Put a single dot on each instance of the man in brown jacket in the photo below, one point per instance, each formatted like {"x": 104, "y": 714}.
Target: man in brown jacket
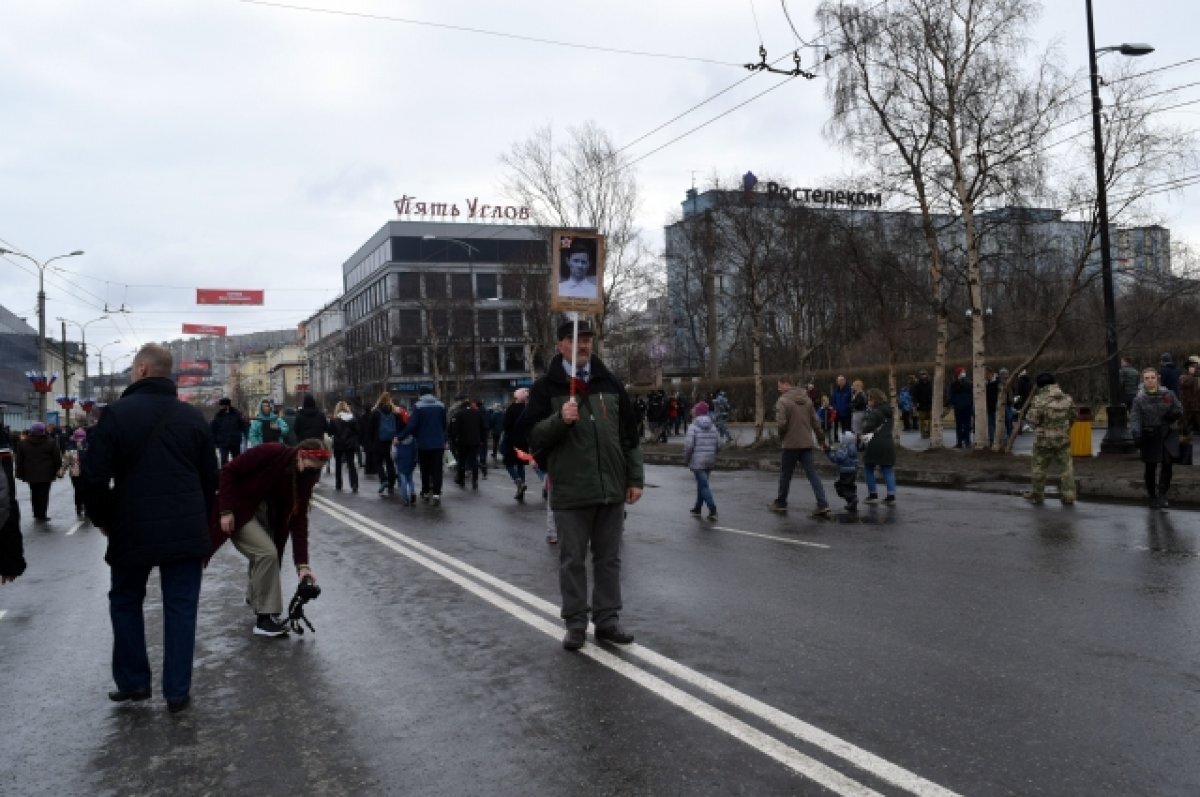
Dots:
{"x": 797, "y": 424}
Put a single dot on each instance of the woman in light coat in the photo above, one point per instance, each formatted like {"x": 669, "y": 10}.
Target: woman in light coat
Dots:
{"x": 700, "y": 447}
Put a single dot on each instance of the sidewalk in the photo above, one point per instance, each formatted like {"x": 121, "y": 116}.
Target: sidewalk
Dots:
{"x": 1108, "y": 477}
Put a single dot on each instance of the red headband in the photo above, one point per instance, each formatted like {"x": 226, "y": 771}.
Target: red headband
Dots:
{"x": 313, "y": 453}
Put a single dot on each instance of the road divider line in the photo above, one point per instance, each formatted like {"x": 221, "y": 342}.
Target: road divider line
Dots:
{"x": 78, "y": 525}
{"x": 2, "y": 613}
{"x": 773, "y": 537}
{"x": 791, "y": 758}
{"x": 848, "y": 752}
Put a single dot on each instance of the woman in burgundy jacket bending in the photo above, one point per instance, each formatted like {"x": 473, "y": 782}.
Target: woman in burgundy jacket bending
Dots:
{"x": 263, "y": 500}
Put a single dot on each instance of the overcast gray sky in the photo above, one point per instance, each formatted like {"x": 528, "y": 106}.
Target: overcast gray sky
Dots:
{"x": 234, "y": 144}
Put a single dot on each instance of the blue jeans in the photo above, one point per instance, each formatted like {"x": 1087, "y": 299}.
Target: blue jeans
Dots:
{"x": 787, "y": 466}
{"x": 181, "y": 597}
{"x": 889, "y": 478}
{"x": 703, "y": 493}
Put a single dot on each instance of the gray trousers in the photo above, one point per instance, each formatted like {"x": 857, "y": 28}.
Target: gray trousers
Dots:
{"x": 601, "y": 527}
{"x": 255, "y": 543}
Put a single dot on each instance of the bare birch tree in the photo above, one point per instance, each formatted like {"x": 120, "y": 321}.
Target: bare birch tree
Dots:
{"x": 932, "y": 93}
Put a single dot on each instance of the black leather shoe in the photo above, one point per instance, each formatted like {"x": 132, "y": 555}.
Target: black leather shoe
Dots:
{"x": 574, "y": 639}
{"x": 614, "y": 633}
{"x": 176, "y": 706}
{"x": 122, "y": 695}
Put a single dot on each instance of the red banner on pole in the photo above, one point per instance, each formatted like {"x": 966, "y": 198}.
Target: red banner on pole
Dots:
{"x": 223, "y": 296}
{"x": 203, "y": 329}
{"x": 188, "y": 380}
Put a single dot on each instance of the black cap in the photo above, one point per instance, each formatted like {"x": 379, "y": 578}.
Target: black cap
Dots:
{"x": 1045, "y": 378}
{"x": 225, "y": 402}
{"x": 566, "y": 330}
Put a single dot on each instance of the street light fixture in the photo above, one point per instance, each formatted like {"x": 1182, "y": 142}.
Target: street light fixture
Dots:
{"x": 471, "y": 252}
{"x": 41, "y": 341}
{"x": 1117, "y": 439}
{"x": 82, "y": 344}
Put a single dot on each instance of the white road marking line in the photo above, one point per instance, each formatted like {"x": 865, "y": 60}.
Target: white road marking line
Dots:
{"x": 78, "y": 525}
{"x": 793, "y": 759}
{"x": 860, "y": 758}
{"x": 772, "y": 537}
{"x": 2, "y": 613}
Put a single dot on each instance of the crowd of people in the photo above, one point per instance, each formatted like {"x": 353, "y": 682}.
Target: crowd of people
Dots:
{"x": 168, "y": 488}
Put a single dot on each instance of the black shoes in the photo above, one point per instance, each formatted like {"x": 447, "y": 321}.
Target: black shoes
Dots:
{"x": 694, "y": 512}
{"x": 176, "y": 706}
{"x": 520, "y": 491}
{"x": 615, "y": 634}
{"x": 122, "y": 695}
{"x": 775, "y": 506}
{"x": 574, "y": 639}
{"x": 267, "y": 625}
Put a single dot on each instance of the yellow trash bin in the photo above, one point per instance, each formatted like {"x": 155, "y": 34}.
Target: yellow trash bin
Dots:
{"x": 1081, "y": 433}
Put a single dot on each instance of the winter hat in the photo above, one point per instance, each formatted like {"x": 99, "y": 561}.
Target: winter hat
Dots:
{"x": 960, "y": 372}
{"x": 568, "y": 329}
{"x": 226, "y": 402}
{"x": 1194, "y": 359}
{"x": 37, "y": 428}
{"x": 1045, "y": 378}
{"x": 1166, "y": 359}
{"x": 701, "y": 408}
{"x": 79, "y": 434}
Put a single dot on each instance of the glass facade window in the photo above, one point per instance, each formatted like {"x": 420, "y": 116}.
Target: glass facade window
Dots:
{"x": 510, "y": 284}
{"x": 439, "y": 320}
{"x": 410, "y": 360}
{"x": 513, "y": 324}
{"x": 462, "y": 326}
{"x": 489, "y": 359}
{"x": 489, "y": 323}
{"x": 435, "y": 286}
{"x": 408, "y": 286}
{"x": 460, "y": 286}
{"x": 514, "y": 358}
{"x": 410, "y": 325}
{"x": 486, "y": 286}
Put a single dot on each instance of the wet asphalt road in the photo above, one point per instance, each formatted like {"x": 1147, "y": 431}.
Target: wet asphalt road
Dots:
{"x": 957, "y": 641}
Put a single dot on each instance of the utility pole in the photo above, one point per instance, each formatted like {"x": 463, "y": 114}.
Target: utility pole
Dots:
{"x": 66, "y": 375}
{"x": 710, "y": 298}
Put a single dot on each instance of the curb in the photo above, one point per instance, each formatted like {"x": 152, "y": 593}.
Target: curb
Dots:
{"x": 1183, "y": 495}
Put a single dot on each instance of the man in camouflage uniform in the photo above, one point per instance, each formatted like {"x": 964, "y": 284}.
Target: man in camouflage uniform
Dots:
{"x": 1051, "y": 414}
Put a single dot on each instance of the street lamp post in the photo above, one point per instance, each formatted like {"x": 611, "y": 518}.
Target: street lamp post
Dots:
{"x": 82, "y": 344}
{"x": 100, "y": 358}
{"x": 1117, "y": 439}
{"x": 41, "y": 341}
{"x": 471, "y": 252}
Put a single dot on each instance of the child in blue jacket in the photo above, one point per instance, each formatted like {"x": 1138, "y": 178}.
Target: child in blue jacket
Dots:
{"x": 845, "y": 457}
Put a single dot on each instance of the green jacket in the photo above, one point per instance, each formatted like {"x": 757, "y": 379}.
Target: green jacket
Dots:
{"x": 591, "y": 462}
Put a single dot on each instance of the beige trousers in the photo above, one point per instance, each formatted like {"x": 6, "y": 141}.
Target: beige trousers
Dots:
{"x": 255, "y": 543}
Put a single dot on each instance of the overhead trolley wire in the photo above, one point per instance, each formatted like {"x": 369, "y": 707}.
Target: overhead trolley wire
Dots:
{"x": 486, "y": 32}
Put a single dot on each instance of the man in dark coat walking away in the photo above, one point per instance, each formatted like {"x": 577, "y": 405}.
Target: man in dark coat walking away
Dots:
{"x": 469, "y": 430}
{"x": 311, "y": 423}
{"x": 228, "y": 426}
{"x": 38, "y": 462}
{"x": 157, "y": 454}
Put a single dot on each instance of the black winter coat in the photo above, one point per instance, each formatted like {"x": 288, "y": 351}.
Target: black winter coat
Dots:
{"x": 38, "y": 459}
{"x": 227, "y": 428}
{"x": 310, "y": 423}
{"x": 469, "y": 427}
{"x": 158, "y": 509}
